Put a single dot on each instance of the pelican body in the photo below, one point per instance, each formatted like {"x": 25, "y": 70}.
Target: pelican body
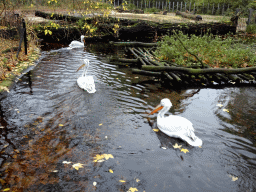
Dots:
{"x": 175, "y": 126}
{"x": 86, "y": 82}
{"x": 77, "y": 44}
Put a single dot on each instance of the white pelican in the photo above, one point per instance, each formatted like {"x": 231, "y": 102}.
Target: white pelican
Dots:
{"x": 175, "y": 126}
{"x": 86, "y": 82}
{"x": 77, "y": 44}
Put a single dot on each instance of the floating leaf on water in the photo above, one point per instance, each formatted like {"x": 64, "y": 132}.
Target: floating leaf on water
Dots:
{"x": 110, "y": 170}
{"x": 107, "y": 156}
{"x": 219, "y": 105}
{"x": 163, "y": 147}
{"x": 156, "y": 130}
{"x": 94, "y": 183}
{"x": 122, "y": 181}
{"x": 77, "y": 166}
{"x": 233, "y": 178}
{"x": 137, "y": 180}
{"x": 66, "y": 162}
{"x": 98, "y": 157}
{"x": 226, "y": 110}
{"x": 132, "y": 189}
{"x": 177, "y": 146}
{"x": 184, "y": 150}
{"x": 100, "y": 124}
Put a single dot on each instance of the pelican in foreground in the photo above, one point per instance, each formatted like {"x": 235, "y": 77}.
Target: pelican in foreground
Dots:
{"x": 86, "y": 82}
{"x": 175, "y": 126}
{"x": 77, "y": 44}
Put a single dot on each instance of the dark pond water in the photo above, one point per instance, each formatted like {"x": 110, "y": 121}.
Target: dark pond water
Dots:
{"x": 48, "y": 121}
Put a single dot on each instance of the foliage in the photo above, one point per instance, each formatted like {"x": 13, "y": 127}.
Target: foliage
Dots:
{"x": 251, "y": 29}
{"x": 131, "y": 6}
{"x": 213, "y": 51}
{"x": 152, "y": 10}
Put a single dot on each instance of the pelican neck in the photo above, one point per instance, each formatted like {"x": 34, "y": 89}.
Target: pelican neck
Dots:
{"x": 163, "y": 111}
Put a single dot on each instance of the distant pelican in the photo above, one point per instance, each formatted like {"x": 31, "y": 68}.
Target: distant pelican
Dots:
{"x": 86, "y": 82}
{"x": 175, "y": 126}
{"x": 77, "y": 44}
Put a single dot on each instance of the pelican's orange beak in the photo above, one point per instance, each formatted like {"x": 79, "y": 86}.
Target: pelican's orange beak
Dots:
{"x": 157, "y": 108}
{"x": 80, "y": 67}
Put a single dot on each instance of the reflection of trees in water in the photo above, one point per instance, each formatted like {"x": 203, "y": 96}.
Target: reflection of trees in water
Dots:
{"x": 242, "y": 112}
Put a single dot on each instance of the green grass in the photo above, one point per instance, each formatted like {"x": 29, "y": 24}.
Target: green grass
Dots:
{"x": 212, "y": 51}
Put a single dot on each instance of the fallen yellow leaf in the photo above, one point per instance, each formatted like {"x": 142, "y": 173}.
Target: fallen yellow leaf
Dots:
{"x": 77, "y": 166}
{"x": 100, "y": 124}
{"x": 137, "y": 180}
{"x": 233, "y": 178}
{"x": 66, "y": 162}
{"x": 110, "y": 170}
{"x": 184, "y": 150}
{"x": 107, "y": 156}
{"x": 219, "y": 105}
{"x": 226, "y": 110}
{"x": 131, "y": 189}
{"x": 156, "y": 130}
{"x": 98, "y": 157}
{"x": 61, "y": 125}
{"x": 7, "y": 189}
{"x": 177, "y": 146}
{"x": 122, "y": 181}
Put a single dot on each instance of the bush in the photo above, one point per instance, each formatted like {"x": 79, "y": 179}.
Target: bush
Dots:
{"x": 251, "y": 29}
{"x": 151, "y": 10}
{"x": 212, "y": 51}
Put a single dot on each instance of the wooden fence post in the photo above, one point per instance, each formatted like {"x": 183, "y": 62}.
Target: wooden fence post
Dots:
{"x": 23, "y": 36}
{"x": 249, "y": 17}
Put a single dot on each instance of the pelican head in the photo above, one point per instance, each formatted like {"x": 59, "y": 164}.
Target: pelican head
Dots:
{"x": 82, "y": 38}
{"x": 165, "y": 103}
{"x": 85, "y": 64}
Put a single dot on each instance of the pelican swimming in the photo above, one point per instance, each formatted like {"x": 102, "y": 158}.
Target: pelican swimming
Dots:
{"x": 86, "y": 82}
{"x": 77, "y": 44}
{"x": 175, "y": 126}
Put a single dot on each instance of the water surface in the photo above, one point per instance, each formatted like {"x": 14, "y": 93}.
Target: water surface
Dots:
{"x": 48, "y": 121}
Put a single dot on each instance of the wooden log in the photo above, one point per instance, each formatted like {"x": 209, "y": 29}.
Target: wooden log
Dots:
{"x": 147, "y": 73}
{"x": 234, "y": 78}
{"x": 189, "y": 16}
{"x": 168, "y": 76}
{"x": 176, "y": 77}
{"x": 200, "y": 71}
{"x": 124, "y": 60}
{"x": 133, "y": 43}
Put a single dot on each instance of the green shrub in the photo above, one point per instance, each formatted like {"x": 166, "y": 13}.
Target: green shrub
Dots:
{"x": 212, "y": 51}
{"x": 152, "y": 10}
{"x": 251, "y": 28}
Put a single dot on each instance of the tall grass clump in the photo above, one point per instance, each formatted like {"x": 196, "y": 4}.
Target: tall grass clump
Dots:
{"x": 214, "y": 51}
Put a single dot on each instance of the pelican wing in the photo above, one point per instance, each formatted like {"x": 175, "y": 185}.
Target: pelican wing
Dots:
{"x": 86, "y": 83}
{"x": 176, "y": 124}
